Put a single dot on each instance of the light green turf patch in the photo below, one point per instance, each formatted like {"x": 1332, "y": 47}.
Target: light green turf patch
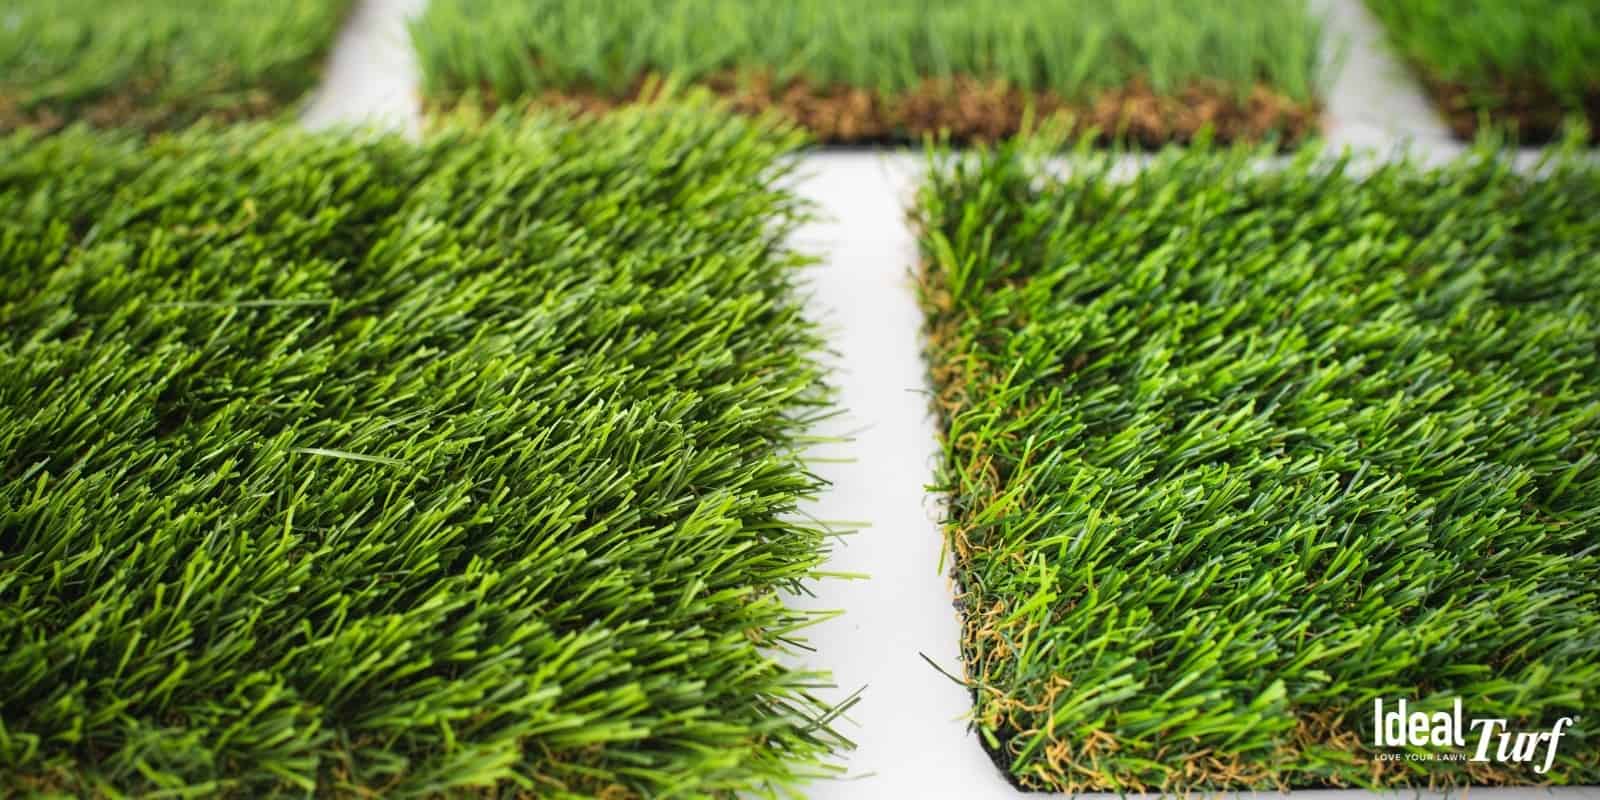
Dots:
{"x": 1522, "y": 64}
{"x": 157, "y": 64}
{"x": 1233, "y": 451}
{"x": 518, "y": 47}
{"x": 377, "y": 469}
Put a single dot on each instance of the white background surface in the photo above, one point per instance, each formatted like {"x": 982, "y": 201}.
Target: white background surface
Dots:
{"x": 909, "y": 725}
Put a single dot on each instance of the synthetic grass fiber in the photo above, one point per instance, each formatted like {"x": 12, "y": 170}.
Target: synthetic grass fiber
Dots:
{"x": 1232, "y": 451}
{"x": 896, "y": 68}
{"x": 157, "y": 64}
{"x": 346, "y": 465}
{"x": 1522, "y": 65}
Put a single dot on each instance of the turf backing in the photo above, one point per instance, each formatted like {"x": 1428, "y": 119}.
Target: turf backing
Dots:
{"x": 1230, "y": 453}
{"x": 1523, "y": 65}
{"x": 157, "y": 64}
{"x": 893, "y": 69}
{"x": 369, "y": 468}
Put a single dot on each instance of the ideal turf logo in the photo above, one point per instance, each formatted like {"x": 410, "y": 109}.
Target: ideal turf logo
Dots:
{"x": 1491, "y": 738}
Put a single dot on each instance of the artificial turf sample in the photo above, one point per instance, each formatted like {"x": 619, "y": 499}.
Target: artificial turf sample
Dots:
{"x": 378, "y": 469}
{"x": 158, "y": 64}
{"x": 896, "y": 69}
{"x": 1524, "y": 65}
{"x": 1230, "y": 454}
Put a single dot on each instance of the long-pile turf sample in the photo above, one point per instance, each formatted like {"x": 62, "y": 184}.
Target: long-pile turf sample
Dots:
{"x": 893, "y": 69}
{"x": 384, "y": 470}
{"x": 1524, "y": 65}
{"x": 158, "y": 64}
{"x": 1230, "y": 455}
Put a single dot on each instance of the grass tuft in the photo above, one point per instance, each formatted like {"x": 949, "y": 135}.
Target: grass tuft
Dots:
{"x": 347, "y": 465}
{"x": 1230, "y": 453}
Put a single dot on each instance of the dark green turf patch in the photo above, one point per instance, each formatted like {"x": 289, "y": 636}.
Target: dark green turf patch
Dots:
{"x": 1231, "y": 452}
{"x": 365, "y": 468}
{"x": 157, "y": 64}
{"x": 1523, "y": 66}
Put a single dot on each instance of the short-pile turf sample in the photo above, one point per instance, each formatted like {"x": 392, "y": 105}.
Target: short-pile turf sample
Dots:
{"x": 1231, "y": 454}
{"x": 1525, "y": 66}
{"x": 158, "y": 64}
{"x": 374, "y": 469}
{"x": 896, "y": 69}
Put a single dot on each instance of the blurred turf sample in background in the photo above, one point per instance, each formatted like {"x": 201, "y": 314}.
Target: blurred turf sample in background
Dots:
{"x": 890, "y": 69}
{"x": 156, "y": 64}
{"x": 1525, "y": 66}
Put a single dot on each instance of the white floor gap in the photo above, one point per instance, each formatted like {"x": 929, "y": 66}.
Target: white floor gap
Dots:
{"x": 371, "y": 77}
{"x": 1371, "y": 101}
{"x": 909, "y": 726}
